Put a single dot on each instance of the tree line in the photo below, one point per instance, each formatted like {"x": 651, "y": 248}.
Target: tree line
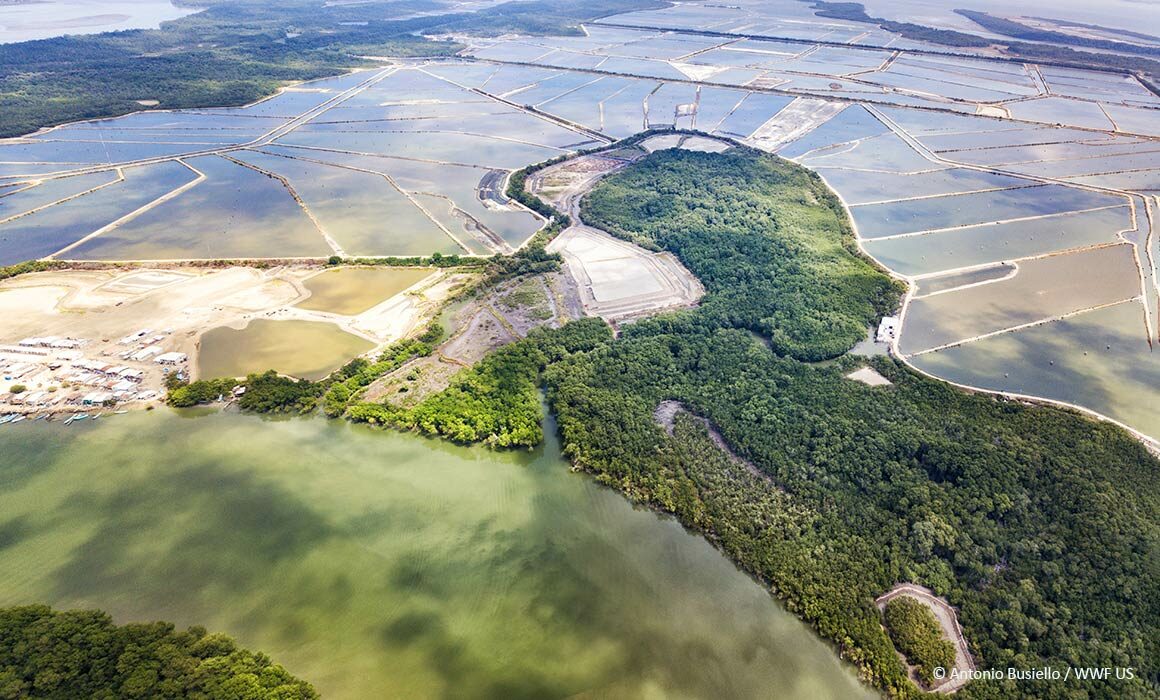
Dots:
{"x": 81, "y": 654}
{"x": 1038, "y": 524}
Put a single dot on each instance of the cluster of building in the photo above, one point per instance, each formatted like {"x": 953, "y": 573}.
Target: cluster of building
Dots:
{"x": 77, "y": 383}
{"x": 51, "y": 373}
{"x": 52, "y": 342}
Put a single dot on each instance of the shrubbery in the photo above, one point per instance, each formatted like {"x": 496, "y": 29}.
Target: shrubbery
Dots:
{"x": 498, "y": 400}
{"x": 82, "y": 654}
{"x": 917, "y": 635}
{"x": 199, "y": 392}
{"x": 358, "y": 374}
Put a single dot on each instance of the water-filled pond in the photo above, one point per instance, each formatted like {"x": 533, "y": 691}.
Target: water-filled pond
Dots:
{"x": 307, "y": 349}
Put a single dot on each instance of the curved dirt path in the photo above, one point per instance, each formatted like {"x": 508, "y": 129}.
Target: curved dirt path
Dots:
{"x": 948, "y": 619}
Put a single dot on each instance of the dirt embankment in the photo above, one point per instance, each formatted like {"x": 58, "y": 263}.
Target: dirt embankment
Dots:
{"x": 948, "y": 620}
{"x": 501, "y": 315}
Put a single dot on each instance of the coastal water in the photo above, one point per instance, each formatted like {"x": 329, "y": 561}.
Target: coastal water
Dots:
{"x": 43, "y": 19}
{"x": 378, "y": 564}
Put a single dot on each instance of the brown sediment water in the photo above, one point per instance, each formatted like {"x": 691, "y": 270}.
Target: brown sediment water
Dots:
{"x": 306, "y": 349}
{"x": 352, "y": 290}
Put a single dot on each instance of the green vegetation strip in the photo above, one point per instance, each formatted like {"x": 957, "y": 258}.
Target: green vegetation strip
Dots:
{"x": 82, "y": 654}
{"x": 30, "y": 266}
{"x": 270, "y": 392}
{"x": 1036, "y": 523}
{"x": 917, "y": 635}
{"x": 498, "y": 400}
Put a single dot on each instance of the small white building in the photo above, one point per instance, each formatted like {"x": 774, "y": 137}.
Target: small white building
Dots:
{"x": 888, "y": 329}
{"x": 96, "y": 398}
{"x": 143, "y": 355}
{"x": 171, "y": 358}
{"x": 133, "y": 375}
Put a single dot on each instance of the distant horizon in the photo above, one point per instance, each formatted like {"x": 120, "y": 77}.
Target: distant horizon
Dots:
{"x": 47, "y": 19}
{"x": 1133, "y": 15}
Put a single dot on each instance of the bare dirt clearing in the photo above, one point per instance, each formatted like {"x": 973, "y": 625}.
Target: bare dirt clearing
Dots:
{"x": 616, "y": 280}
{"x": 619, "y": 281}
{"x": 868, "y": 376}
{"x": 143, "y": 323}
{"x": 502, "y": 315}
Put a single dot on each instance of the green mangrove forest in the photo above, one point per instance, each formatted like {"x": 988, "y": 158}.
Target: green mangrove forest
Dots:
{"x": 81, "y": 654}
{"x": 237, "y": 51}
{"x": 916, "y": 633}
{"x": 1038, "y": 524}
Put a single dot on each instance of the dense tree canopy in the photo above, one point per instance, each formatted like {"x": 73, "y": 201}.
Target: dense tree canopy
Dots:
{"x": 1038, "y": 524}
{"x": 82, "y": 654}
{"x": 771, "y": 245}
{"x": 236, "y": 51}
{"x": 916, "y": 633}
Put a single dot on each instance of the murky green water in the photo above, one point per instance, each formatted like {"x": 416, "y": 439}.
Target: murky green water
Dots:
{"x": 385, "y": 565}
{"x": 306, "y": 349}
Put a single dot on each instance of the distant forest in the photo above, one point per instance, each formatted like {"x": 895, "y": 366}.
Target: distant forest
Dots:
{"x": 1038, "y": 524}
{"x": 1018, "y": 30}
{"x": 237, "y": 51}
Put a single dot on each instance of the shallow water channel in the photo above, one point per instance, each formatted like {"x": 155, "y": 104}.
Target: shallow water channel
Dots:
{"x": 379, "y": 564}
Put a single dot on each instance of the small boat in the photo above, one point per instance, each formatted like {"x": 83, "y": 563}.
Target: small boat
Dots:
{"x": 121, "y": 412}
{"x": 80, "y": 416}
{"x": 68, "y": 420}
{"x": 17, "y": 419}
{"x": 6, "y": 419}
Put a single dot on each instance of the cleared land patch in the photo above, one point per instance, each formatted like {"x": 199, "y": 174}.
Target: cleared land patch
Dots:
{"x": 618, "y": 280}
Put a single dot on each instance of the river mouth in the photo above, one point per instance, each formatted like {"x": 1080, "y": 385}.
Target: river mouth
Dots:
{"x": 378, "y": 564}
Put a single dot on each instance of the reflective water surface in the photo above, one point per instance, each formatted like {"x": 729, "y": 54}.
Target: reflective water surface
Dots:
{"x": 379, "y": 564}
